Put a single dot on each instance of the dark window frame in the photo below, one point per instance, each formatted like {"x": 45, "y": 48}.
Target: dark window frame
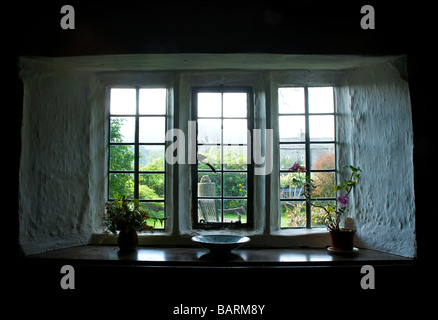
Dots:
{"x": 136, "y": 172}
{"x": 308, "y": 143}
{"x": 250, "y": 167}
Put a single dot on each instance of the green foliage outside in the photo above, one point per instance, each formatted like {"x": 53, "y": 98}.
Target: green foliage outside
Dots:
{"x": 151, "y": 186}
{"x": 293, "y": 213}
{"x": 123, "y": 214}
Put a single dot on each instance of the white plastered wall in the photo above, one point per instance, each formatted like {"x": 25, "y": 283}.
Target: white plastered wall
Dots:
{"x": 375, "y": 132}
{"x": 62, "y": 157}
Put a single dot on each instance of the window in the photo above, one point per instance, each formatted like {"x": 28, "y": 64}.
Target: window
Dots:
{"x": 137, "y": 147}
{"x": 306, "y": 136}
{"x": 222, "y": 178}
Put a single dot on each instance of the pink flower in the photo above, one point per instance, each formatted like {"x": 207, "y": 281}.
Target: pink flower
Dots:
{"x": 343, "y": 200}
{"x": 297, "y": 168}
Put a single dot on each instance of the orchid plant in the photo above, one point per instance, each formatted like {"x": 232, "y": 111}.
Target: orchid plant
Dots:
{"x": 333, "y": 211}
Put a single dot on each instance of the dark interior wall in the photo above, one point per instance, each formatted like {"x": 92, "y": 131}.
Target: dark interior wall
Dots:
{"x": 301, "y": 27}
{"x": 214, "y": 26}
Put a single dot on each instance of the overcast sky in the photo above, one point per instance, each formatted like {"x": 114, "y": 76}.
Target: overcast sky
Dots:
{"x": 291, "y": 101}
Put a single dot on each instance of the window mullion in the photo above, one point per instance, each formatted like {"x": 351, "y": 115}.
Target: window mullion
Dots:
{"x": 222, "y": 157}
{"x": 307, "y": 151}
{"x": 137, "y": 146}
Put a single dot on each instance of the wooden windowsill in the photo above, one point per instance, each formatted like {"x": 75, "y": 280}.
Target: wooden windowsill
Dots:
{"x": 198, "y": 257}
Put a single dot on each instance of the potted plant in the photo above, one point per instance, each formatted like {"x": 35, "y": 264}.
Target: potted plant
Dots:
{"x": 127, "y": 217}
{"x": 342, "y": 238}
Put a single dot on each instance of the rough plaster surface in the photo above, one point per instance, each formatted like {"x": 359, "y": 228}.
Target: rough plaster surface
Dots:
{"x": 200, "y": 61}
{"x": 58, "y": 201}
{"x": 375, "y": 132}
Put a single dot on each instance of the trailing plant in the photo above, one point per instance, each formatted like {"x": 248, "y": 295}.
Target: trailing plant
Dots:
{"x": 127, "y": 214}
{"x": 333, "y": 212}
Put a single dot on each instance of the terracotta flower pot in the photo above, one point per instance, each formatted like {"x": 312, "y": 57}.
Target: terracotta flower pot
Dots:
{"x": 128, "y": 239}
{"x": 342, "y": 240}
